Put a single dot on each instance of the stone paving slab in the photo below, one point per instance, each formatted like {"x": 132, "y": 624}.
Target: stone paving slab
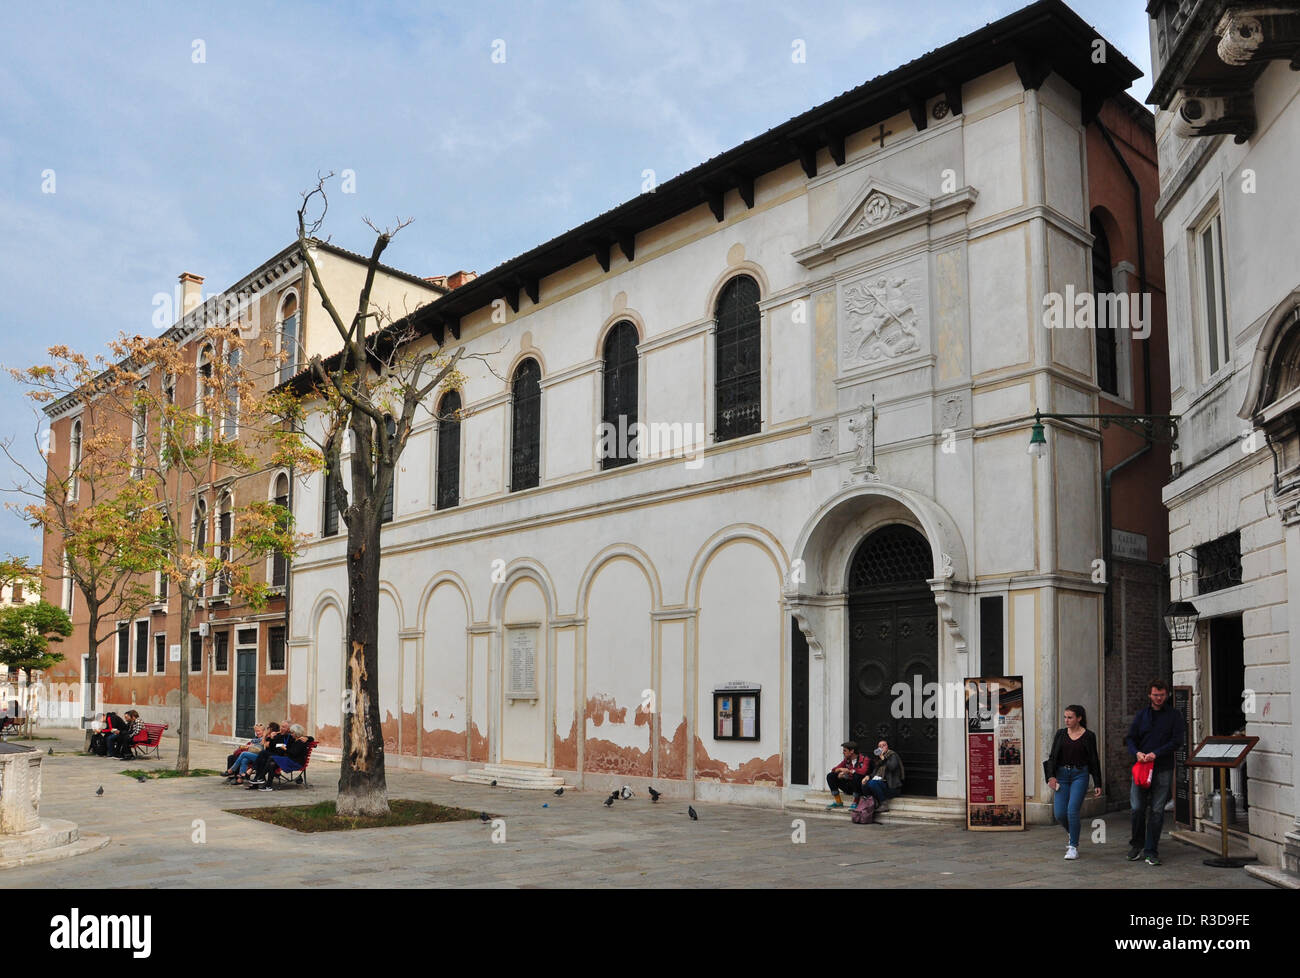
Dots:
{"x": 574, "y": 842}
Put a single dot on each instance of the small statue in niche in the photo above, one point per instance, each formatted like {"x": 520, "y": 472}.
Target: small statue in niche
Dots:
{"x": 864, "y": 433}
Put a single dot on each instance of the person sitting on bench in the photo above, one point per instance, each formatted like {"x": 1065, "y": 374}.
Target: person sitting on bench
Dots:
{"x": 847, "y": 775}
{"x": 273, "y": 736}
{"x": 288, "y": 756}
{"x": 254, "y": 745}
{"x": 119, "y": 741}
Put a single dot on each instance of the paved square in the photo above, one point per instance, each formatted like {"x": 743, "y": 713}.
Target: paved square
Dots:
{"x": 573, "y": 842}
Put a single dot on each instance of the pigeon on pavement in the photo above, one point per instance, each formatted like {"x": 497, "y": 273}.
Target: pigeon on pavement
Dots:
{"x": 484, "y": 817}
{"x": 142, "y": 779}
{"x": 654, "y": 795}
{"x": 50, "y": 752}
{"x": 609, "y": 801}
{"x": 494, "y": 782}
{"x": 559, "y": 791}
{"x": 625, "y": 792}
{"x": 100, "y": 791}
{"x": 691, "y": 812}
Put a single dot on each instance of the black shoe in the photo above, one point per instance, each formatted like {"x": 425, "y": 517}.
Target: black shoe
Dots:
{"x": 1134, "y": 853}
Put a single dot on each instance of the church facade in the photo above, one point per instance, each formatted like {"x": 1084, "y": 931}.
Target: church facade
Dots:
{"x": 753, "y": 452}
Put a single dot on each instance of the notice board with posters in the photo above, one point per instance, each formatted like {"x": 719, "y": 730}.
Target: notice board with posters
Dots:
{"x": 995, "y": 754}
{"x": 1183, "y": 784}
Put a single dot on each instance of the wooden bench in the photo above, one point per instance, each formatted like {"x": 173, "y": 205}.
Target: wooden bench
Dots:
{"x": 153, "y": 732}
{"x": 296, "y": 778}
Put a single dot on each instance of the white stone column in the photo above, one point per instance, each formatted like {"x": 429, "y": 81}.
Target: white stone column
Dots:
{"x": 1291, "y": 522}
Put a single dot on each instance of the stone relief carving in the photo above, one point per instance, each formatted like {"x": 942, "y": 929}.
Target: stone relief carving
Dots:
{"x": 877, "y": 209}
{"x": 951, "y": 415}
{"x": 825, "y": 439}
{"x": 881, "y": 320}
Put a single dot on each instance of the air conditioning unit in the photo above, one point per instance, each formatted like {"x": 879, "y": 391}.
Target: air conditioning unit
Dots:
{"x": 1209, "y": 115}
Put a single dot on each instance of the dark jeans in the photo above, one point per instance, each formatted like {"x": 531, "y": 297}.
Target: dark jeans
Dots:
{"x": 851, "y": 783}
{"x": 1146, "y": 828}
{"x": 880, "y": 789}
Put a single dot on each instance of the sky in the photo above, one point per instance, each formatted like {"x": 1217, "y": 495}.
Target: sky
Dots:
{"x": 141, "y": 140}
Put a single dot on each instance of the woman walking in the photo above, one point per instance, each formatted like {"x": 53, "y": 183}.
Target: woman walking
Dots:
{"x": 1072, "y": 759}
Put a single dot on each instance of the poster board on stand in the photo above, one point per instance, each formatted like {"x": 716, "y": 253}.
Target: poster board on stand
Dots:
{"x": 995, "y": 754}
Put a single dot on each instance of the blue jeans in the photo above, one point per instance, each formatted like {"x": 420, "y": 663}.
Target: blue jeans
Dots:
{"x": 1146, "y": 828}
{"x": 244, "y": 761}
{"x": 880, "y": 789}
{"x": 1068, "y": 801}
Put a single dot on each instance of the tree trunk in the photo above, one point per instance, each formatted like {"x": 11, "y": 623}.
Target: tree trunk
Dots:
{"x": 183, "y": 734}
{"x": 363, "y": 789}
{"x": 92, "y": 678}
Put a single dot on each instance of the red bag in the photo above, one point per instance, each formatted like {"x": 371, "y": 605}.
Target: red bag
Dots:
{"x": 1142, "y": 773}
{"x": 864, "y": 812}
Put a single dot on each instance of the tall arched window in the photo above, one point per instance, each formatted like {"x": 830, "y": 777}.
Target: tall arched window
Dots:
{"x": 74, "y": 460}
{"x": 279, "y": 560}
{"x": 331, "y": 525}
{"x": 738, "y": 363}
{"x": 230, "y": 423}
{"x": 139, "y": 433}
{"x": 225, "y": 526}
{"x": 618, "y": 419}
{"x": 288, "y": 337}
{"x": 165, "y": 421}
{"x": 1103, "y": 284}
{"x": 526, "y": 426}
{"x": 200, "y": 529}
{"x": 203, "y": 392}
{"x": 386, "y": 510}
{"x": 447, "y": 493}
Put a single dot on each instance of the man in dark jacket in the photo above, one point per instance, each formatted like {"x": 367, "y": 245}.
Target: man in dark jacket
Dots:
{"x": 1156, "y": 732}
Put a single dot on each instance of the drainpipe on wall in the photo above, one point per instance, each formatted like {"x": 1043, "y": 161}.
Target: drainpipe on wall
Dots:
{"x": 1141, "y": 250}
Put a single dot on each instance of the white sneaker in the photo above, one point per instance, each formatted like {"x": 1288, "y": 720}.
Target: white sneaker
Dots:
{"x": 1071, "y": 853}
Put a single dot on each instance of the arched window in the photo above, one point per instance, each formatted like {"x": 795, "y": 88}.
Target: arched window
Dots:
{"x": 447, "y": 493}
{"x": 74, "y": 460}
{"x": 526, "y": 426}
{"x": 139, "y": 433}
{"x": 165, "y": 421}
{"x": 738, "y": 361}
{"x": 386, "y": 510}
{"x": 230, "y": 424}
{"x": 1103, "y": 285}
{"x": 331, "y": 526}
{"x": 618, "y": 419}
{"x": 288, "y": 337}
{"x": 203, "y": 392}
{"x": 200, "y": 531}
{"x": 225, "y": 518}
{"x": 280, "y": 560}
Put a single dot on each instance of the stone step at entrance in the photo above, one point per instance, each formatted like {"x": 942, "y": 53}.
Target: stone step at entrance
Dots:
{"x": 512, "y": 776}
{"x": 946, "y": 811}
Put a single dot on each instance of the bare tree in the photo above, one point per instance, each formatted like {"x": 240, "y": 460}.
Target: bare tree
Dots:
{"x": 370, "y": 391}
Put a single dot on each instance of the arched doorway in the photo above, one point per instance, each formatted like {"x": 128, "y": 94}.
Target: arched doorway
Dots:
{"x": 894, "y": 638}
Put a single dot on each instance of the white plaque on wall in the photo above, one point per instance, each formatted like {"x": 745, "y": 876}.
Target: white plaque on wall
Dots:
{"x": 174, "y": 653}
{"x": 521, "y": 663}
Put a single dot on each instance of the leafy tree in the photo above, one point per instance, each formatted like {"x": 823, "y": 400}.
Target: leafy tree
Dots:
{"x": 26, "y": 632}
{"x": 167, "y": 461}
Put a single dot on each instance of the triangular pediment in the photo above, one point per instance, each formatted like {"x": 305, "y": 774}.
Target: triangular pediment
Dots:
{"x": 878, "y": 210}
{"x": 876, "y": 205}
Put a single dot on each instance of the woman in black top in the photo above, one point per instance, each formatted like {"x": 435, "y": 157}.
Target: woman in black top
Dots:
{"x": 1073, "y": 758}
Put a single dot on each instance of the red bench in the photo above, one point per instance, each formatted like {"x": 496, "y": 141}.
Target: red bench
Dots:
{"x": 9, "y": 723}
{"x": 153, "y": 735}
{"x": 298, "y": 778}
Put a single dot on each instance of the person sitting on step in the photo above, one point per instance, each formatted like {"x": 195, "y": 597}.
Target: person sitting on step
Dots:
{"x": 847, "y": 775}
{"x": 886, "y": 780}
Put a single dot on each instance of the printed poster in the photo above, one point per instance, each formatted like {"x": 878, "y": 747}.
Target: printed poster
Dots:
{"x": 995, "y": 754}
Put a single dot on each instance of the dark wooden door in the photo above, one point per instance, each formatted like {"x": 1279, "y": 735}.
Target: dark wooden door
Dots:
{"x": 894, "y": 638}
{"x": 245, "y": 693}
{"x": 798, "y": 705}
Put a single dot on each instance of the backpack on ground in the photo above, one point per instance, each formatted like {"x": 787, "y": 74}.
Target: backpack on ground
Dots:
{"x": 865, "y": 810}
{"x": 99, "y": 744}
